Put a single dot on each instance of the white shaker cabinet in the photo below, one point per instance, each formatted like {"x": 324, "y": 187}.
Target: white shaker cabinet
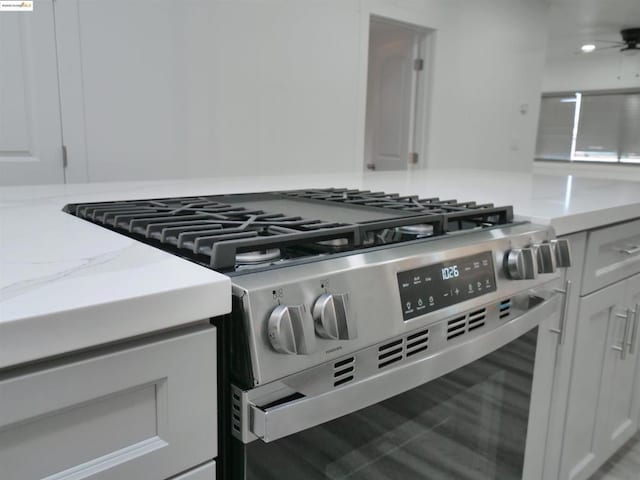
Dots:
{"x": 601, "y": 409}
{"x": 162, "y": 89}
{"x": 586, "y": 412}
{"x": 619, "y": 376}
{"x": 561, "y": 353}
{"x": 30, "y": 129}
{"x": 145, "y": 409}
{"x": 204, "y": 472}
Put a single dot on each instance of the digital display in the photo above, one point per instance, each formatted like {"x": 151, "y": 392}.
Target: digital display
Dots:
{"x": 430, "y": 288}
{"x": 450, "y": 272}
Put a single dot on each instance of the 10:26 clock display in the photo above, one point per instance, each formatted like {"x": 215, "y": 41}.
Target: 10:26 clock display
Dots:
{"x": 450, "y": 272}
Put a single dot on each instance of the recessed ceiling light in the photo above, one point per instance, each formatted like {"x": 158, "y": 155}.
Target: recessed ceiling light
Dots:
{"x": 588, "y": 48}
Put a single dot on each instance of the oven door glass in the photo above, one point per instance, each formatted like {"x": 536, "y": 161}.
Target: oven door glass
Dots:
{"x": 469, "y": 424}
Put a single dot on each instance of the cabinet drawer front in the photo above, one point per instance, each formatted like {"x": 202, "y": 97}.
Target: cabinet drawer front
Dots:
{"x": 145, "y": 410}
{"x": 205, "y": 472}
{"x": 613, "y": 253}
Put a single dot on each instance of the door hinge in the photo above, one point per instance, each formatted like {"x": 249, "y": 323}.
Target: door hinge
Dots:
{"x": 413, "y": 158}
{"x": 418, "y": 64}
{"x": 65, "y": 158}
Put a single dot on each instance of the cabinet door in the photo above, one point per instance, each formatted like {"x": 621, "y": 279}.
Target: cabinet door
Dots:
{"x": 633, "y": 300}
{"x": 582, "y": 453}
{"x": 620, "y": 372}
{"x": 30, "y": 131}
{"x": 561, "y": 355}
{"x": 169, "y": 89}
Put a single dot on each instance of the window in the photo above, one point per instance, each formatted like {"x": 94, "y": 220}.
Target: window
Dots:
{"x": 590, "y": 127}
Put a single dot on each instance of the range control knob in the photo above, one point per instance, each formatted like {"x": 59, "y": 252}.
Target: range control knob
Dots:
{"x": 521, "y": 264}
{"x": 562, "y": 252}
{"x": 290, "y": 330}
{"x": 546, "y": 258}
{"x": 332, "y": 319}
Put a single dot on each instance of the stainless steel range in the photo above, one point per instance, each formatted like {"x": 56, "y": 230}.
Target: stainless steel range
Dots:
{"x": 372, "y": 335}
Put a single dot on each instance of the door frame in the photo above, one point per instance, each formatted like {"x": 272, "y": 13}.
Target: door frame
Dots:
{"x": 421, "y": 93}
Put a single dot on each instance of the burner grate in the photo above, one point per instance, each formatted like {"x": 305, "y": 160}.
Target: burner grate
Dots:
{"x": 218, "y": 231}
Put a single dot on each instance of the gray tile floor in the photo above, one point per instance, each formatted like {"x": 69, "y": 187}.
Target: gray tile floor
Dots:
{"x": 624, "y": 465}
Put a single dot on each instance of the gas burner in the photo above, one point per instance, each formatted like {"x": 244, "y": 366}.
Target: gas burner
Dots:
{"x": 420, "y": 230}
{"x": 334, "y": 243}
{"x": 258, "y": 256}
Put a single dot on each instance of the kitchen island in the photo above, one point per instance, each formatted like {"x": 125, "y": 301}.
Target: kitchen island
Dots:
{"x": 69, "y": 286}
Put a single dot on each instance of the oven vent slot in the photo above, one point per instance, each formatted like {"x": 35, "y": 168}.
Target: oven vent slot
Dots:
{"x": 504, "y": 308}
{"x": 236, "y": 422}
{"x": 391, "y": 352}
{"x": 343, "y": 371}
{"x": 417, "y": 342}
{"x": 402, "y": 348}
{"x": 477, "y": 319}
{"x": 456, "y": 327}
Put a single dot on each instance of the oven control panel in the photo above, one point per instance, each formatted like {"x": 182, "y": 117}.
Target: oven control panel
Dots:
{"x": 319, "y": 313}
{"x": 439, "y": 285}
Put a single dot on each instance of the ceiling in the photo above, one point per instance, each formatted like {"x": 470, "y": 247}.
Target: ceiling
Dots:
{"x": 577, "y": 22}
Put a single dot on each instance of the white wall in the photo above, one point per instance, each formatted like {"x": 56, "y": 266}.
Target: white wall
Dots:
{"x": 487, "y": 68}
{"x": 597, "y": 71}
{"x": 203, "y": 87}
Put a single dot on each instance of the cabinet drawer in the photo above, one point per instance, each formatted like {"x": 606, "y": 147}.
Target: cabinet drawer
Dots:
{"x": 204, "y": 472}
{"x": 142, "y": 410}
{"x": 613, "y": 253}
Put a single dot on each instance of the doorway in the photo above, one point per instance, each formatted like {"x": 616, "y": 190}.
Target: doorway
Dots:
{"x": 396, "y": 86}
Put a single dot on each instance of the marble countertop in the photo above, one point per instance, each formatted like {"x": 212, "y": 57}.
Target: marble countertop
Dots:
{"x": 66, "y": 284}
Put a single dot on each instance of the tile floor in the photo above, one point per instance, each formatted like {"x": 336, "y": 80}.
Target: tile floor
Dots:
{"x": 624, "y": 465}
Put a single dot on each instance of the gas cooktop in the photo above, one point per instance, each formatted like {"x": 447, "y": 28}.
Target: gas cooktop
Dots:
{"x": 244, "y": 232}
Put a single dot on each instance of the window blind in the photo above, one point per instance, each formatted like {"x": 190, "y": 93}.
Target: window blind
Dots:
{"x": 608, "y": 128}
{"x": 555, "y": 127}
{"x": 630, "y": 131}
{"x": 599, "y": 128}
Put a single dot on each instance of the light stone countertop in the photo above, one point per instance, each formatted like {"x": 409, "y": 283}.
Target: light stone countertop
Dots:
{"x": 66, "y": 284}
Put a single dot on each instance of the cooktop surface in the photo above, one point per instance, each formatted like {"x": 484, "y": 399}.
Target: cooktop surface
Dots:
{"x": 243, "y": 232}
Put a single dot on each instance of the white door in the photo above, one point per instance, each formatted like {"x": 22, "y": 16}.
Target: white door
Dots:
{"x": 30, "y": 131}
{"x": 392, "y": 88}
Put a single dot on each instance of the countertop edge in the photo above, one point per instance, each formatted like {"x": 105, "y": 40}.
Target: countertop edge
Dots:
{"x": 39, "y": 337}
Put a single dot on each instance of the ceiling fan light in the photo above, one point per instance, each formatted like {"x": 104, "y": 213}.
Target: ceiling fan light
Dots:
{"x": 588, "y": 48}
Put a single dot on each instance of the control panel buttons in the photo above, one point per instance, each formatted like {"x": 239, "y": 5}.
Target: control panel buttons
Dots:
{"x": 439, "y": 285}
{"x": 545, "y": 257}
{"x": 562, "y": 252}
{"x": 332, "y": 319}
{"x": 521, "y": 264}
{"x": 290, "y": 330}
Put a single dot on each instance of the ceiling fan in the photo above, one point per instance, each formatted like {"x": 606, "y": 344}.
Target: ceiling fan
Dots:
{"x": 630, "y": 42}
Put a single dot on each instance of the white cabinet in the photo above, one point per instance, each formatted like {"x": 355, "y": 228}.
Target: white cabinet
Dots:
{"x": 602, "y": 405}
{"x": 561, "y": 354}
{"x": 613, "y": 253}
{"x": 586, "y": 412}
{"x": 620, "y": 420}
{"x": 30, "y": 130}
{"x": 145, "y": 409}
{"x": 204, "y": 472}
{"x": 157, "y": 89}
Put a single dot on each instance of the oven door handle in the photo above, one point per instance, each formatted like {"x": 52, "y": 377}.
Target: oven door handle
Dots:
{"x": 288, "y": 418}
